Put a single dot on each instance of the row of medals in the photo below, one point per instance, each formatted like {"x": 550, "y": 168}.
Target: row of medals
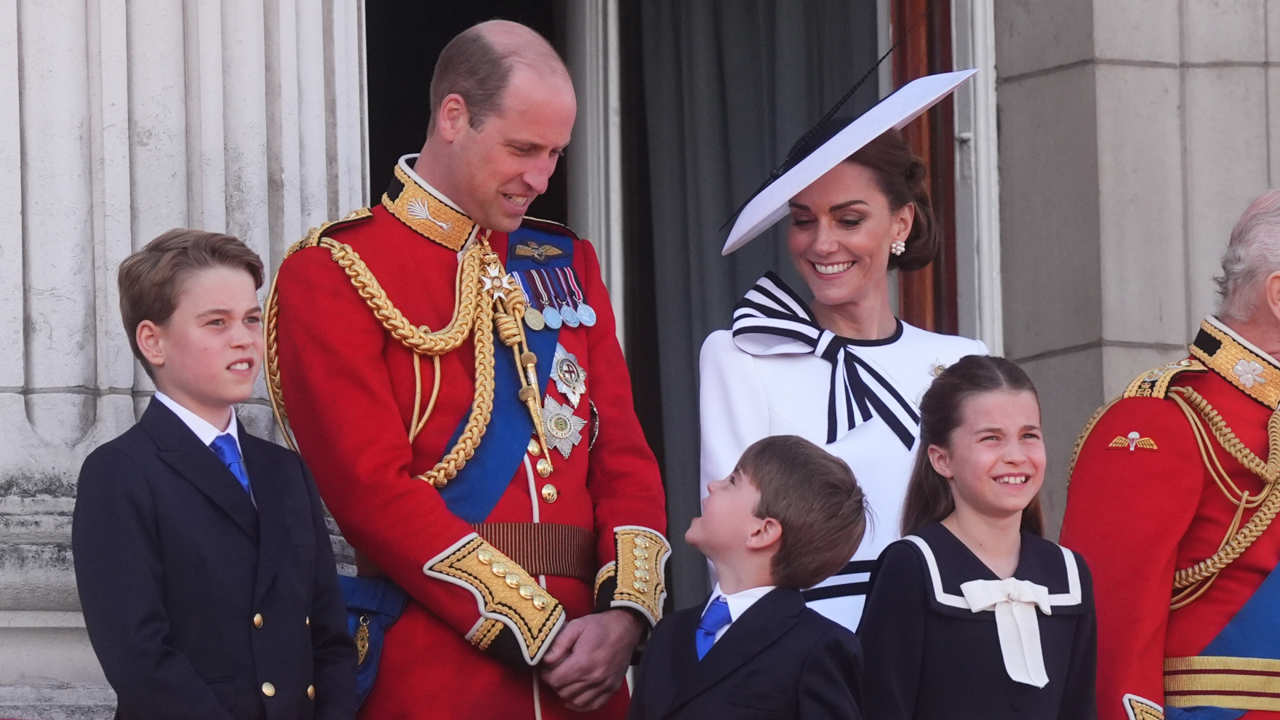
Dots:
{"x": 555, "y": 299}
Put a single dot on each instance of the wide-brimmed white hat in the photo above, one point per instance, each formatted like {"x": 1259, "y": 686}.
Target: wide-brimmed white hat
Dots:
{"x": 769, "y": 205}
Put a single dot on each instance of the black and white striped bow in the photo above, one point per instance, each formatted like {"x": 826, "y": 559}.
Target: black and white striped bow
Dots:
{"x": 772, "y": 320}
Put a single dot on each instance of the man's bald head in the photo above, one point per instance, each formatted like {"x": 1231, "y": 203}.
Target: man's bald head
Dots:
{"x": 477, "y": 65}
{"x": 1253, "y": 255}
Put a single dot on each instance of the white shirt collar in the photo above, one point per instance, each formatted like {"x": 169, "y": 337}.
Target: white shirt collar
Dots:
{"x": 740, "y": 601}
{"x": 201, "y": 427}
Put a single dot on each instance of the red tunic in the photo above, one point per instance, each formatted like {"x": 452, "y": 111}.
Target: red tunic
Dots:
{"x": 349, "y": 390}
{"x": 1143, "y": 503}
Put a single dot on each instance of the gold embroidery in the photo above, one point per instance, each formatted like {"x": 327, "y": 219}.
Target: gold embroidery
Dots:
{"x": 1255, "y": 374}
{"x": 1132, "y": 442}
{"x": 608, "y": 571}
{"x": 486, "y": 633}
{"x": 540, "y": 253}
{"x": 640, "y": 570}
{"x": 1239, "y": 683}
{"x": 362, "y": 640}
{"x": 1222, "y": 663}
{"x": 1140, "y": 708}
{"x": 427, "y": 215}
{"x": 496, "y": 581}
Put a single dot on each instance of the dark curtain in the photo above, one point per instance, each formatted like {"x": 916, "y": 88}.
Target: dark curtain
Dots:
{"x": 728, "y": 85}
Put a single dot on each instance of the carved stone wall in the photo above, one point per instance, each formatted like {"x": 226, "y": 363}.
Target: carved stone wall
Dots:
{"x": 119, "y": 121}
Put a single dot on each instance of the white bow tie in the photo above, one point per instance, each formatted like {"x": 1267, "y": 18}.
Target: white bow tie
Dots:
{"x": 1014, "y": 602}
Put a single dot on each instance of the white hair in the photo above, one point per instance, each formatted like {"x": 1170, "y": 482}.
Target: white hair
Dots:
{"x": 1252, "y": 254}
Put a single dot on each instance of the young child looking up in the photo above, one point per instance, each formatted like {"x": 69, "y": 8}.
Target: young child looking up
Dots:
{"x": 788, "y": 516}
{"x": 973, "y": 614}
{"x": 202, "y": 559}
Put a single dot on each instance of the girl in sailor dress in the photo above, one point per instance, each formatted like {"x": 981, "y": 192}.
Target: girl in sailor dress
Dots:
{"x": 973, "y": 614}
{"x": 841, "y": 371}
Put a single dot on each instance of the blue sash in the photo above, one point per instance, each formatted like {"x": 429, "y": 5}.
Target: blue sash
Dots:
{"x": 1252, "y": 633}
{"x": 473, "y": 494}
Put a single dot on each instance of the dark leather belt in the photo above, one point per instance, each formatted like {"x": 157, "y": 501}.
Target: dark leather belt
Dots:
{"x": 539, "y": 548}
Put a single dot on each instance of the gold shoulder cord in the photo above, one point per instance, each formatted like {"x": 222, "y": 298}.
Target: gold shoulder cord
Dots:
{"x": 1191, "y": 582}
{"x": 488, "y": 300}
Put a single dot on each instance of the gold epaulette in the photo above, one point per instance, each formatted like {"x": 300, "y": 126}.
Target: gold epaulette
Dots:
{"x": 313, "y": 237}
{"x": 1155, "y": 382}
{"x": 316, "y": 233}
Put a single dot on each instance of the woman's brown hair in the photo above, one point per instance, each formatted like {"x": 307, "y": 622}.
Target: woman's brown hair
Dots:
{"x": 900, "y": 175}
{"x": 929, "y": 496}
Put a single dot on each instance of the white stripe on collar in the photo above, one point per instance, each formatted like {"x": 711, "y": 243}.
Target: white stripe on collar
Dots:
{"x": 1071, "y": 597}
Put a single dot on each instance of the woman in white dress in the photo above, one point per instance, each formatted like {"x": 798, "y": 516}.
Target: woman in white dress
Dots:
{"x": 841, "y": 370}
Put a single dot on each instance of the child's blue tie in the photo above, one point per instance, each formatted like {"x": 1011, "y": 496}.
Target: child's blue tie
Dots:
{"x": 224, "y": 446}
{"x": 716, "y": 617}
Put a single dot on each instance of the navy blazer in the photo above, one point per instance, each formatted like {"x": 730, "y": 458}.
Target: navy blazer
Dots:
{"x": 198, "y": 604}
{"x": 779, "y": 660}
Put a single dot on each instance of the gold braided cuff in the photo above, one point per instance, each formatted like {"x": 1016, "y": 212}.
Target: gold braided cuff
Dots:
{"x": 504, "y": 593}
{"x": 484, "y": 633}
{"x": 637, "y": 580}
{"x": 1140, "y": 708}
{"x": 607, "y": 573}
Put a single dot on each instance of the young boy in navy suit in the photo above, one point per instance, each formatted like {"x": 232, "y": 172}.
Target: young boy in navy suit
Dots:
{"x": 787, "y": 517}
{"x": 202, "y": 558}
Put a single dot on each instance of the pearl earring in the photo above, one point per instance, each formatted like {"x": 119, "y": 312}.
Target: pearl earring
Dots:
{"x": 897, "y": 247}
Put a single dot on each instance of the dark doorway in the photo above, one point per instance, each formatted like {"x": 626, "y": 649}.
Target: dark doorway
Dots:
{"x": 402, "y": 41}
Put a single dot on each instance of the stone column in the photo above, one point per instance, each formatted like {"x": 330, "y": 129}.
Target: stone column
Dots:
{"x": 126, "y": 119}
{"x": 1132, "y": 135}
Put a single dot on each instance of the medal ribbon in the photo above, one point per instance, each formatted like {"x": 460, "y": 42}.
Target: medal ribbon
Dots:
{"x": 543, "y": 295}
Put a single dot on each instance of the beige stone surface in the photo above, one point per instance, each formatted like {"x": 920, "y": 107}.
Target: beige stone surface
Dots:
{"x": 1143, "y": 277}
{"x": 1049, "y": 211}
{"x": 1226, "y": 166}
{"x": 1273, "y": 30}
{"x": 1273, "y": 125}
{"x": 1033, "y": 35}
{"x": 1145, "y": 30}
{"x": 1224, "y": 31}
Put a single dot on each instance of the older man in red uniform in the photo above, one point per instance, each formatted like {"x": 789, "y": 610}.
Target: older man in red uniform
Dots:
{"x": 1172, "y": 502}
{"x": 451, "y": 373}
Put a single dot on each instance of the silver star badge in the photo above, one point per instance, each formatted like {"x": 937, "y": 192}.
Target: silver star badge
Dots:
{"x": 563, "y": 429}
{"x": 571, "y": 379}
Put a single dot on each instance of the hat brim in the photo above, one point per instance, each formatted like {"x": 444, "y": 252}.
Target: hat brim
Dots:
{"x": 892, "y": 113}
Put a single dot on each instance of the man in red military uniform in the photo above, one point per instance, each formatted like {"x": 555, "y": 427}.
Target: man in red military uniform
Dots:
{"x": 451, "y": 373}
{"x": 1171, "y": 502}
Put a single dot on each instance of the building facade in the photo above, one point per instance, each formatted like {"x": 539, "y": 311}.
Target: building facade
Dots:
{"x": 1101, "y": 160}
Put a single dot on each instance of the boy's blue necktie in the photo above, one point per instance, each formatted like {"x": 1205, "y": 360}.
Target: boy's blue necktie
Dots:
{"x": 715, "y": 617}
{"x": 224, "y": 446}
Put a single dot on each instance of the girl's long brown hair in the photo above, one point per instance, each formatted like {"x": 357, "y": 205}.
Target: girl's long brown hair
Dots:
{"x": 929, "y": 496}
